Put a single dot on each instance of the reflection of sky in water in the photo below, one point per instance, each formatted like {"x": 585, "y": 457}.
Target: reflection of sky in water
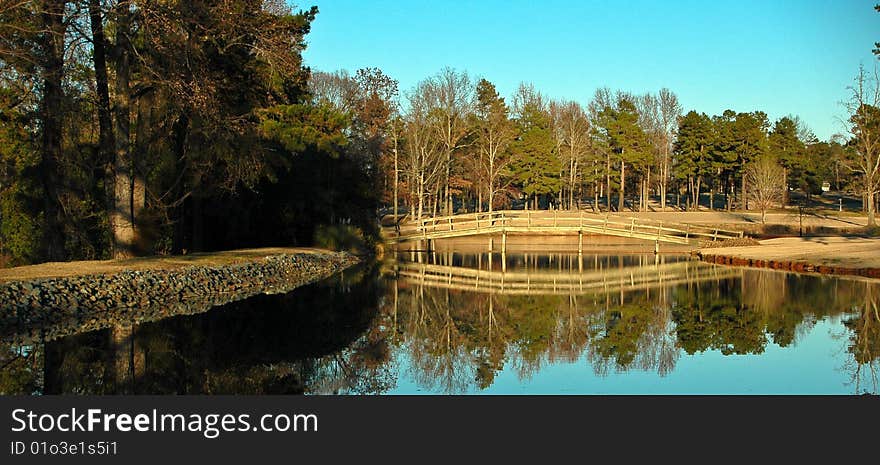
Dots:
{"x": 816, "y": 361}
{"x": 812, "y": 365}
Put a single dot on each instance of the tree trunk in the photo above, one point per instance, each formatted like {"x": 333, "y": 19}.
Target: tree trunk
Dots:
{"x": 665, "y": 177}
{"x": 447, "y": 199}
{"x": 51, "y": 115}
{"x": 785, "y": 198}
{"x": 139, "y": 184}
{"x": 690, "y": 196}
{"x": 421, "y": 195}
{"x": 105, "y": 122}
{"x": 744, "y": 200}
{"x": 608, "y": 181}
{"x": 728, "y": 194}
{"x": 396, "y": 179}
{"x": 870, "y": 200}
{"x": 620, "y": 202}
{"x": 122, "y": 218}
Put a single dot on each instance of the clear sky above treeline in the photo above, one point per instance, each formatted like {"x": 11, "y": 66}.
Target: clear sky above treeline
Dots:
{"x": 782, "y": 57}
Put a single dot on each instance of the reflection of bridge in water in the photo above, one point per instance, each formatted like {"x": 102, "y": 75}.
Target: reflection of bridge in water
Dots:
{"x": 553, "y": 282}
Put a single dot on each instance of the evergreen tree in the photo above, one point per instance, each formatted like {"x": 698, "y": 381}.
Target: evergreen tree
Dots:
{"x": 693, "y": 150}
{"x": 790, "y": 152}
{"x": 625, "y": 139}
{"x": 535, "y": 166}
{"x": 749, "y": 137}
{"x": 494, "y": 133}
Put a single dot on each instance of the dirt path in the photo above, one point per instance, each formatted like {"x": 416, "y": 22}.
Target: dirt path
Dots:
{"x": 753, "y": 219}
{"x": 832, "y": 255}
{"x": 171, "y": 262}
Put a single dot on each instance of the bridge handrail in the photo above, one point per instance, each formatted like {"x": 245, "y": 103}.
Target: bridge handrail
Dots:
{"x": 472, "y": 222}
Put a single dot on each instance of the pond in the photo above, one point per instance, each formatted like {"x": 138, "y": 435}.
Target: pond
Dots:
{"x": 479, "y": 323}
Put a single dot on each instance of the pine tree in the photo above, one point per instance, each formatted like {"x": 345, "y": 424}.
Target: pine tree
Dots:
{"x": 536, "y": 167}
{"x": 625, "y": 139}
{"x": 694, "y": 152}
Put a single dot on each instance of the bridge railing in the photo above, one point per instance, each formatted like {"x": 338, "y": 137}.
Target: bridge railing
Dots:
{"x": 562, "y": 221}
{"x": 549, "y": 281}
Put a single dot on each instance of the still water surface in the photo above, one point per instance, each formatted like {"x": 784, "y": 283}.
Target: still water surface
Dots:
{"x": 530, "y": 324}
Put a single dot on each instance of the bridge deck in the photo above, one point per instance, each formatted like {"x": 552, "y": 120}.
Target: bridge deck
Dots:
{"x": 554, "y": 222}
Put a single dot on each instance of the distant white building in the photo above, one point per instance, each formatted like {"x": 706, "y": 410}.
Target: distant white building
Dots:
{"x": 826, "y": 186}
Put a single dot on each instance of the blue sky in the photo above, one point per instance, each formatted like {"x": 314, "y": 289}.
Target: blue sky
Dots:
{"x": 782, "y": 57}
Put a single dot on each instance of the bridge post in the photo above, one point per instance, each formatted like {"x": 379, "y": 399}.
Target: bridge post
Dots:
{"x": 580, "y": 242}
{"x": 657, "y": 242}
{"x": 491, "y": 242}
{"x": 503, "y": 242}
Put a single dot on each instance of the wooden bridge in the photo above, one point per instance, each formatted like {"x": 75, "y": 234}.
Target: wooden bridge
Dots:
{"x": 552, "y": 282}
{"x": 551, "y": 223}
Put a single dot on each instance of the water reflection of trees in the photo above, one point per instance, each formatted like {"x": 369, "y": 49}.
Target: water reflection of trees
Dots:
{"x": 315, "y": 339}
{"x": 865, "y": 341}
{"x": 459, "y": 340}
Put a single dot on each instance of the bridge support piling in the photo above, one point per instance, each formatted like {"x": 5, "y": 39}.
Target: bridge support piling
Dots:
{"x": 491, "y": 243}
{"x": 580, "y": 242}
{"x": 656, "y": 247}
{"x": 503, "y": 243}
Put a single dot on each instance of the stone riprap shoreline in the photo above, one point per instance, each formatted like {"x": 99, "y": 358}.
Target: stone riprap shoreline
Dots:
{"x": 49, "y": 308}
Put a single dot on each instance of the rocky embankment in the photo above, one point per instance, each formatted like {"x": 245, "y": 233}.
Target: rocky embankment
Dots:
{"x": 46, "y": 309}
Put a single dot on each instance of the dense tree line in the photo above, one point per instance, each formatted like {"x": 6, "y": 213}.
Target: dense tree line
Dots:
{"x": 458, "y": 145}
{"x": 130, "y": 127}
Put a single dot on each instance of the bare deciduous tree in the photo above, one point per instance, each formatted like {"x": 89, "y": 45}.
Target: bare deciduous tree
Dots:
{"x": 337, "y": 89}
{"x": 864, "y": 126}
{"x": 424, "y": 159}
{"x": 670, "y": 110}
{"x": 764, "y": 177}
{"x": 451, "y": 99}
{"x": 573, "y": 130}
